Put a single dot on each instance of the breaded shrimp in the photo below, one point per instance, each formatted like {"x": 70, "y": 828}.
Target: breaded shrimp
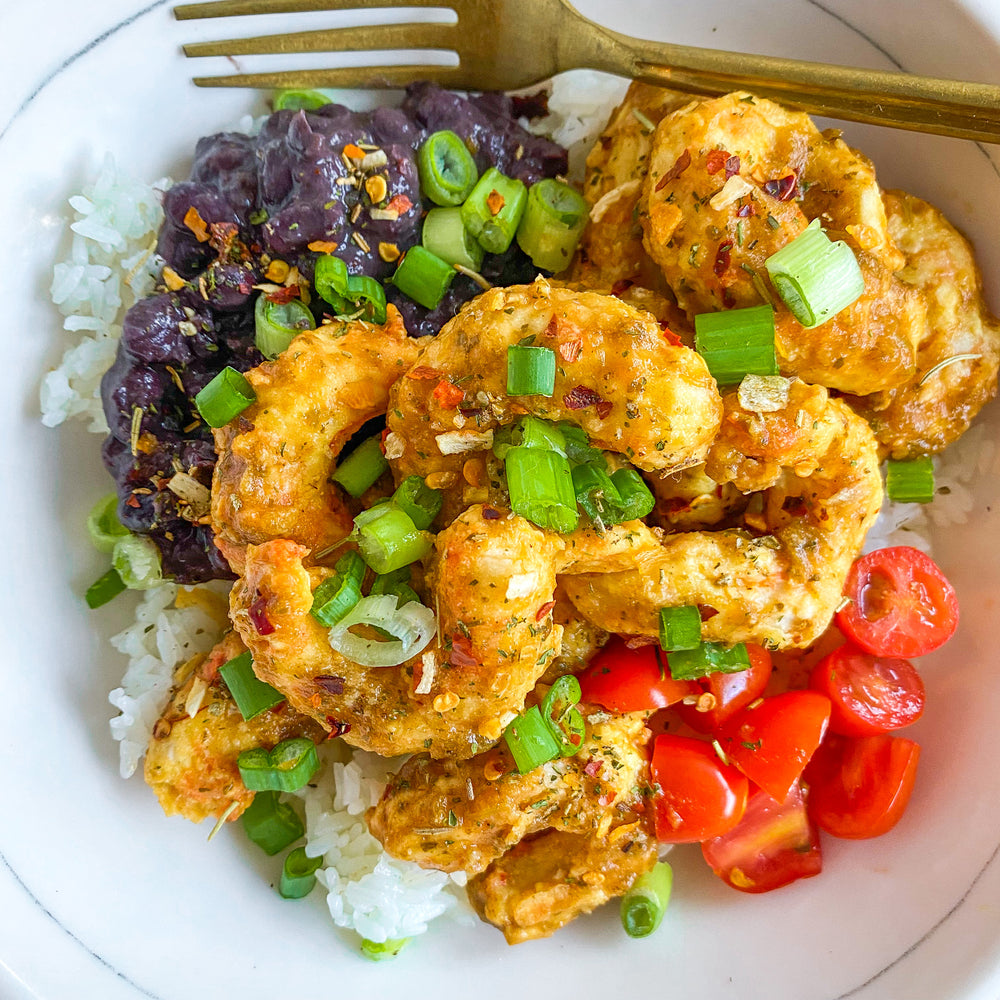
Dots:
{"x": 272, "y": 476}
{"x": 491, "y": 580}
{"x": 617, "y": 376}
{"x": 959, "y": 352}
{"x": 780, "y": 584}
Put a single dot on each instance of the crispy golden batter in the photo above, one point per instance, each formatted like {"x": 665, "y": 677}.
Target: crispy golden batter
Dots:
{"x": 272, "y": 476}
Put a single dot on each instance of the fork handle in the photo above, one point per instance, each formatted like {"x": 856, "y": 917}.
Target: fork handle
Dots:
{"x": 876, "y": 97}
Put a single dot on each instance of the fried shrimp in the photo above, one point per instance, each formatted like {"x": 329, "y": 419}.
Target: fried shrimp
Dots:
{"x": 617, "y": 376}
{"x": 731, "y": 181}
{"x": 959, "y": 353}
{"x": 816, "y": 463}
{"x": 491, "y": 580}
{"x": 272, "y": 476}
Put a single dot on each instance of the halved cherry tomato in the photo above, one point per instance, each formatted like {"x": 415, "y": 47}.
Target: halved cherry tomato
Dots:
{"x": 870, "y": 694}
{"x": 774, "y": 844}
{"x": 901, "y": 603}
{"x": 730, "y": 692}
{"x": 631, "y": 680}
{"x": 772, "y": 742}
{"x": 699, "y": 797}
{"x": 860, "y": 786}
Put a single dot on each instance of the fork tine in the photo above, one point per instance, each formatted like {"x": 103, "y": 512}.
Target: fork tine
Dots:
{"x": 234, "y": 8}
{"x": 362, "y": 77}
{"x": 383, "y": 36}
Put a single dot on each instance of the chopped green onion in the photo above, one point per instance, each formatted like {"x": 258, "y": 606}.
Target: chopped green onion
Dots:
{"x": 445, "y": 236}
{"x": 277, "y": 324}
{"x": 578, "y": 447}
{"x": 540, "y": 484}
{"x": 531, "y": 371}
{"x": 287, "y": 768}
{"x": 637, "y": 498}
{"x": 390, "y": 539}
{"x": 298, "y": 99}
{"x": 349, "y": 294}
{"x": 708, "y": 658}
{"x": 339, "y": 593}
{"x": 423, "y": 277}
{"x": 136, "y": 559}
{"x": 412, "y": 625}
{"x": 680, "y": 628}
{"x": 814, "y": 276}
{"x": 418, "y": 500}
{"x": 298, "y": 874}
{"x": 271, "y": 824}
{"x": 528, "y": 432}
{"x": 561, "y": 715}
{"x": 251, "y": 694}
{"x": 398, "y": 583}
{"x": 530, "y": 740}
{"x": 597, "y": 494}
{"x": 362, "y": 468}
{"x": 103, "y": 525}
{"x": 736, "y": 342}
{"x": 646, "y": 901}
{"x": 384, "y": 950}
{"x": 225, "y": 397}
{"x": 493, "y": 210}
{"x": 105, "y": 588}
{"x": 554, "y": 217}
{"x": 911, "y": 481}
{"x": 447, "y": 170}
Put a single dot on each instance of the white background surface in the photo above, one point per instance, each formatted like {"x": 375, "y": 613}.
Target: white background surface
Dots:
{"x": 101, "y": 898}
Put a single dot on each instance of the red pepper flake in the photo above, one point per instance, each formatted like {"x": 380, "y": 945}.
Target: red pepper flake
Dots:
{"x": 593, "y": 767}
{"x": 544, "y": 610}
{"x": 783, "y": 188}
{"x": 706, "y": 611}
{"x": 732, "y": 166}
{"x": 354, "y": 152}
{"x": 332, "y": 685}
{"x": 282, "y": 296}
{"x": 621, "y": 286}
{"x": 423, "y": 372}
{"x": 400, "y": 203}
{"x": 606, "y": 799}
{"x": 638, "y": 641}
{"x": 337, "y": 728}
{"x": 571, "y": 350}
{"x": 722, "y": 258}
{"x": 576, "y": 739}
{"x": 222, "y": 236}
{"x": 258, "y": 616}
{"x": 489, "y": 514}
{"x": 604, "y": 408}
{"x": 682, "y": 163}
{"x": 197, "y": 225}
{"x": 461, "y": 652}
{"x": 745, "y": 211}
{"x": 671, "y": 338}
{"x": 448, "y": 395}
{"x": 716, "y": 160}
{"x": 495, "y": 202}
{"x": 133, "y": 501}
{"x": 580, "y": 397}
{"x": 796, "y": 506}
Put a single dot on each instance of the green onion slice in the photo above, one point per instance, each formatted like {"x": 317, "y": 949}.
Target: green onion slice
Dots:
{"x": 540, "y": 484}
{"x": 419, "y": 501}
{"x": 736, "y": 343}
{"x": 597, "y": 495}
{"x": 105, "y": 588}
{"x": 423, "y": 277}
{"x": 362, "y": 468}
{"x": 578, "y": 447}
{"x": 136, "y": 559}
{"x": 680, "y": 628}
{"x": 388, "y": 538}
{"x": 287, "y": 768}
{"x": 707, "y": 658}
{"x": 530, "y": 740}
{"x": 299, "y": 99}
{"x": 493, "y": 210}
{"x": 910, "y": 481}
{"x": 348, "y": 294}
{"x": 251, "y": 694}
{"x": 397, "y": 583}
{"x": 531, "y": 371}
{"x": 412, "y": 626}
{"x": 637, "y": 498}
{"x": 553, "y": 220}
{"x": 445, "y": 236}
{"x": 528, "y": 432}
{"x": 814, "y": 276}
{"x": 383, "y": 951}
{"x": 277, "y": 324}
{"x": 563, "y": 718}
{"x": 339, "y": 593}
{"x": 225, "y": 397}
{"x": 298, "y": 874}
{"x": 103, "y": 525}
{"x": 271, "y": 824}
{"x": 646, "y": 901}
{"x": 447, "y": 170}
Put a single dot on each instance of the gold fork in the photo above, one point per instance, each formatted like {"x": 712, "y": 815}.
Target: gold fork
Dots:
{"x": 510, "y": 44}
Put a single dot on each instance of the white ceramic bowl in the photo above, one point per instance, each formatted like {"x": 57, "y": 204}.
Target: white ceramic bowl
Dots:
{"x": 101, "y": 897}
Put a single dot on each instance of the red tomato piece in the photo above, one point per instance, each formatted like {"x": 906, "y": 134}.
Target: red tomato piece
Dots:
{"x": 869, "y": 694}
{"x": 730, "y": 692}
{"x": 699, "y": 797}
{"x": 774, "y": 844}
{"x": 859, "y": 787}
{"x": 901, "y": 603}
{"x": 631, "y": 680}
{"x": 772, "y": 742}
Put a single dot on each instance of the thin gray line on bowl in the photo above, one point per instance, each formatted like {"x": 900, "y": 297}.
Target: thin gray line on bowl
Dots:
{"x": 93, "y": 954}
{"x": 92, "y": 44}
